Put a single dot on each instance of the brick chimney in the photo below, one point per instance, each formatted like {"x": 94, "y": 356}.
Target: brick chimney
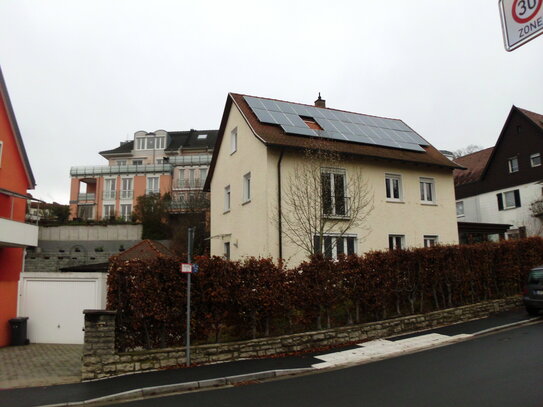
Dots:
{"x": 320, "y": 102}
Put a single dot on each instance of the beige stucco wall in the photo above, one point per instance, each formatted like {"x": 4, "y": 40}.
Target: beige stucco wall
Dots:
{"x": 253, "y": 226}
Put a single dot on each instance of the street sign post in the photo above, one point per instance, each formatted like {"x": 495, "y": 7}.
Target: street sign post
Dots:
{"x": 190, "y": 244}
{"x": 522, "y": 21}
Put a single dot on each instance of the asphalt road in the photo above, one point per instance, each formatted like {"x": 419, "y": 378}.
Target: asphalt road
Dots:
{"x": 502, "y": 369}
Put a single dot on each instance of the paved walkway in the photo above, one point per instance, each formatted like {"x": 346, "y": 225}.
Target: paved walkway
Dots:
{"x": 39, "y": 365}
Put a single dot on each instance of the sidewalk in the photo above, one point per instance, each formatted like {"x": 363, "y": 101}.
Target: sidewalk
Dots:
{"x": 38, "y": 396}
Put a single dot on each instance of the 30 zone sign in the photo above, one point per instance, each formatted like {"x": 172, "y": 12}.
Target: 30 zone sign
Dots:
{"x": 522, "y": 21}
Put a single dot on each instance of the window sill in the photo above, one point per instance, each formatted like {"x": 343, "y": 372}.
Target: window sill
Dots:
{"x": 225, "y": 212}
{"x": 428, "y": 203}
{"x": 395, "y": 201}
{"x": 233, "y": 152}
{"x": 246, "y": 202}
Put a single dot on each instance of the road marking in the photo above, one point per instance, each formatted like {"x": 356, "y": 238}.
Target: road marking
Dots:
{"x": 381, "y": 348}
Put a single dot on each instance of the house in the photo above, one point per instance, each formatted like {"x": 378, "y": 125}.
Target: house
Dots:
{"x": 16, "y": 179}
{"x": 157, "y": 162}
{"x": 502, "y": 185}
{"x": 403, "y": 185}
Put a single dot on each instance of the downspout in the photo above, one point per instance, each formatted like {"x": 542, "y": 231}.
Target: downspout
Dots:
{"x": 279, "y": 214}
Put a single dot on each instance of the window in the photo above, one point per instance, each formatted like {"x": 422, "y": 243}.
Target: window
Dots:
{"x": 126, "y": 188}
{"x": 140, "y": 143}
{"x": 333, "y": 245}
{"x": 109, "y": 188}
{"x": 393, "y": 184}
{"x": 427, "y": 190}
{"x": 234, "y": 140}
{"x": 85, "y": 212}
{"x": 203, "y": 175}
{"x": 152, "y": 185}
{"x": 513, "y": 164}
{"x": 227, "y": 198}
{"x": 396, "y": 242}
{"x": 430, "y": 240}
{"x": 460, "y": 208}
{"x": 247, "y": 187}
{"x": 227, "y": 250}
{"x": 334, "y": 202}
{"x": 126, "y": 211}
{"x": 535, "y": 160}
{"x": 160, "y": 161}
{"x": 109, "y": 211}
{"x": 137, "y": 162}
{"x": 160, "y": 143}
{"x": 202, "y": 136}
{"x": 191, "y": 178}
{"x": 508, "y": 200}
{"x": 121, "y": 162}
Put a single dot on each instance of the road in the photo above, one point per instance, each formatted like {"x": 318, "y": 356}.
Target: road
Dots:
{"x": 501, "y": 369}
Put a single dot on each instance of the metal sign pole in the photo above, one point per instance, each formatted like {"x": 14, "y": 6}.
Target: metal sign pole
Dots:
{"x": 190, "y": 241}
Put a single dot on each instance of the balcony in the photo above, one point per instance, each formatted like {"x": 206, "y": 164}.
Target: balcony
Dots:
{"x": 103, "y": 170}
{"x": 17, "y": 234}
{"x": 188, "y": 160}
{"x": 86, "y": 197}
{"x": 190, "y": 184}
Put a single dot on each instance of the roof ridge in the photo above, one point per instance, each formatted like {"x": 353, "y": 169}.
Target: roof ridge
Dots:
{"x": 475, "y": 152}
{"x": 328, "y": 108}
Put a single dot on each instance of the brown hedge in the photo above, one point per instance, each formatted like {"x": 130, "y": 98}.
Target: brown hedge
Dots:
{"x": 255, "y": 297}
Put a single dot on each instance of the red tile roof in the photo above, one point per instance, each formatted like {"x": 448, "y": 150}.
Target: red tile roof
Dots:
{"x": 146, "y": 249}
{"x": 474, "y": 163}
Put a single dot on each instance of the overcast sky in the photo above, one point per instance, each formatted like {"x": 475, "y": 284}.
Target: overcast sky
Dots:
{"x": 85, "y": 75}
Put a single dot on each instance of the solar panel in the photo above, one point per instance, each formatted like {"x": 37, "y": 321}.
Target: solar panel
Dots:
{"x": 337, "y": 125}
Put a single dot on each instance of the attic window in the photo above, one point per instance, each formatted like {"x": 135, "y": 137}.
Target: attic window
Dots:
{"x": 202, "y": 136}
{"x": 311, "y": 123}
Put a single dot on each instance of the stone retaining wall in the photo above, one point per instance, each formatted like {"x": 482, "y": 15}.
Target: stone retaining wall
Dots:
{"x": 101, "y": 360}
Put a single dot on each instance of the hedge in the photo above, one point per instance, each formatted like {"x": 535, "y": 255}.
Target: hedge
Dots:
{"x": 237, "y": 300}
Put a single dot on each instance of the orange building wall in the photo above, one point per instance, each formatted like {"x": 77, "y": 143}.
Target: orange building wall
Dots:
{"x": 12, "y": 177}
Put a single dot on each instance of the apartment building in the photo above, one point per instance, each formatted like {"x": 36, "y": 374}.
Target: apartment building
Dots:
{"x": 153, "y": 162}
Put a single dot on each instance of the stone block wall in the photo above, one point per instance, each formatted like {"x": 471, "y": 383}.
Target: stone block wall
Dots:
{"x": 101, "y": 360}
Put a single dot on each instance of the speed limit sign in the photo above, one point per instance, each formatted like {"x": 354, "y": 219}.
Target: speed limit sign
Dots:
{"x": 522, "y": 21}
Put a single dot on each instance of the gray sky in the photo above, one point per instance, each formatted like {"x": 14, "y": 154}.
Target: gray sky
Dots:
{"x": 85, "y": 75}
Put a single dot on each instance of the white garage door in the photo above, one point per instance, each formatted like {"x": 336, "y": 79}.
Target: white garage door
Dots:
{"x": 55, "y": 309}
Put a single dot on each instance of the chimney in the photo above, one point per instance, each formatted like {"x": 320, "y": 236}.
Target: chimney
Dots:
{"x": 320, "y": 102}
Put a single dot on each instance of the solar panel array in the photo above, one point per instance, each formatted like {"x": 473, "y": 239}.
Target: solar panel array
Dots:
{"x": 337, "y": 125}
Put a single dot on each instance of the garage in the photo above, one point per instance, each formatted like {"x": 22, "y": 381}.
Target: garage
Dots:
{"x": 54, "y": 304}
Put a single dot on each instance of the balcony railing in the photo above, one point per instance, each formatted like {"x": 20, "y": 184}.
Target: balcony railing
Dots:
{"x": 187, "y": 160}
{"x": 333, "y": 207}
{"x": 190, "y": 184}
{"x": 101, "y": 170}
{"x": 152, "y": 191}
{"x": 127, "y": 194}
{"x": 87, "y": 197}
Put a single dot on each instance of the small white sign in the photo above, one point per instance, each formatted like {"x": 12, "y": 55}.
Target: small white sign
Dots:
{"x": 522, "y": 21}
{"x": 186, "y": 268}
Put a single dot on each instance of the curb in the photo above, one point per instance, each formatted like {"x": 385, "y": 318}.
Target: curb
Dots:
{"x": 181, "y": 387}
{"x": 170, "y": 389}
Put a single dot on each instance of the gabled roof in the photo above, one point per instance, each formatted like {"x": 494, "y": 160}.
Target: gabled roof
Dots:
{"x": 4, "y": 95}
{"x": 273, "y": 135}
{"x": 178, "y": 140}
{"x": 146, "y": 249}
{"x": 474, "y": 163}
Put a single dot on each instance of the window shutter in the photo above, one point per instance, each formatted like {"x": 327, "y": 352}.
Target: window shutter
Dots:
{"x": 517, "y": 198}
{"x": 317, "y": 247}
{"x": 500, "y": 201}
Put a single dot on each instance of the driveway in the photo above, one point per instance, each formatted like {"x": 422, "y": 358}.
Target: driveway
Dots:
{"x": 39, "y": 365}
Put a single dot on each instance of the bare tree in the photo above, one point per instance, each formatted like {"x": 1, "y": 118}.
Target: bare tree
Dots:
{"x": 472, "y": 148}
{"x": 320, "y": 198}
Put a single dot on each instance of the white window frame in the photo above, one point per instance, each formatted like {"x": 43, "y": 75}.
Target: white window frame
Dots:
{"x": 136, "y": 161}
{"x": 110, "y": 194}
{"x": 334, "y": 244}
{"x": 430, "y": 240}
{"x": 505, "y": 195}
{"x": 121, "y": 162}
{"x": 534, "y": 157}
{"x": 160, "y": 142}
{"x": 127, "y": 193}
{"x": 512, "y": 168}
{"x": 151, "y": 180}
{"x": 427, "y": 187}
{"x": 141, "y": 143}
{"x": 202, "y": 136}
{"x": 105, "y": 211}
{"x": 396, "y": 238}
{"x": 389, "y": 186}
{"x": 234, "y": 140}
{"x": 126, "y": 211}
{"x": 335, "y": 172}
{"x": 227, "y": 198}
{"x": 460, "y": 204}
{"x": 247, "y": 188}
